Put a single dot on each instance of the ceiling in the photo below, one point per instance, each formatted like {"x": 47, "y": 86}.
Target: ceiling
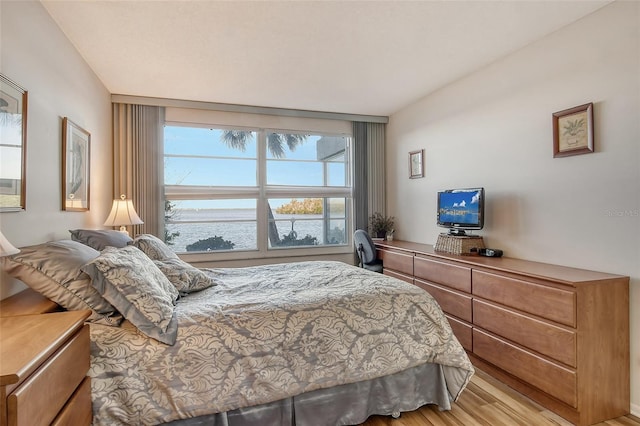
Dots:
{"x": 356, "y": 57}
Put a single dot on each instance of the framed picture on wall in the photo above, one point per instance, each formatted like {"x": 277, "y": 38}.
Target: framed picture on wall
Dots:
{"x": 573, "y": 131}
{"x": 416, "y": 164}
{"x": 13, "y": 149}
{"x": 75, "y": 166}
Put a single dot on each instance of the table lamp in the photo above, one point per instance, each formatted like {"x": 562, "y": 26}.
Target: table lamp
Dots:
{"x": 123, "y": 214}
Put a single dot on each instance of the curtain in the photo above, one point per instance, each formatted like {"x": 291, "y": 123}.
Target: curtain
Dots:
{"x": 137, "y": 163}
{"x": 369, "y": 174}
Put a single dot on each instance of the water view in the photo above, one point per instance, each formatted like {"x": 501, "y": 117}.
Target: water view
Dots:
{"x": 240, "y": 227}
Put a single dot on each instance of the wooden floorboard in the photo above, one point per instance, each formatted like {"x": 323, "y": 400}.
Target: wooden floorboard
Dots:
{"x": 487, "y": 402}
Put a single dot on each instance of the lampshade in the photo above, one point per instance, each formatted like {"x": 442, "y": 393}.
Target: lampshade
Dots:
{"x": 6, "y": 248}
{"x": 123, "y": 214}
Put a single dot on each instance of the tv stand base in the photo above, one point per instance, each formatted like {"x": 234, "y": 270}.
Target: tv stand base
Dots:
{"x": 459, "y": 244}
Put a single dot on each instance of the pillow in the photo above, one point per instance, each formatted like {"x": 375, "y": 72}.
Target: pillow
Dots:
{"x": 100, "y": 239}
{"x": 184, "y": 277}
{"x": 53, "y": 270}
{"x": 153, "y": 247}
{"x": 131, "y": 282}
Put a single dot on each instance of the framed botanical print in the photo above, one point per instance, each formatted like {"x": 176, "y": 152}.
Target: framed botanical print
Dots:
{"x": 76, "y": 144}
{"x": 573, "y": 131}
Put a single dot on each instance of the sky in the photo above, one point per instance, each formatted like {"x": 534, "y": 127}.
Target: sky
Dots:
{"x": 460, "y": 198}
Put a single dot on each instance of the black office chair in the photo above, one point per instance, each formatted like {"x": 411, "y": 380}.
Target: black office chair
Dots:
{"x": 366, "y": 251}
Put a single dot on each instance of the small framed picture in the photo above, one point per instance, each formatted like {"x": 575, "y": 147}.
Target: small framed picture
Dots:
{"x": 573, "y": 131}
{"x": 75, "y": 166}
{"x": 416, "y": 164}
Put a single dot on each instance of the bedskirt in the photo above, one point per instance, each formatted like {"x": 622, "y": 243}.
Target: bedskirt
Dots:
{"x": 348, "y": 404}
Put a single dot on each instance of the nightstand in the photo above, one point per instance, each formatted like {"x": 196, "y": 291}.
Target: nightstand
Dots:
{"x": 44, "y": 360}
{"x": 27, "y": 302}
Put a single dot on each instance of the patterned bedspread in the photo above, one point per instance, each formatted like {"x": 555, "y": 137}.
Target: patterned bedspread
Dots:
{"x": 267, "y": 333}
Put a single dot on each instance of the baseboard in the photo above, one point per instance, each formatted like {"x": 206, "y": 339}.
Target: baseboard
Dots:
{"x": 635, "y": 410}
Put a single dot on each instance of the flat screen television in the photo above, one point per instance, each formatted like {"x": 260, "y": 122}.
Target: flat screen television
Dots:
{"x": 461, "y": 209}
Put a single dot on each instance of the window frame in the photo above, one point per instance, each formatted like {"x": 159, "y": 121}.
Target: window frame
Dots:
{"x": 262, "y": 193}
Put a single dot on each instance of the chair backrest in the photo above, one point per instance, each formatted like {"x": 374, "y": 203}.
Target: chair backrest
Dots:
{"x": 367, "y": 253}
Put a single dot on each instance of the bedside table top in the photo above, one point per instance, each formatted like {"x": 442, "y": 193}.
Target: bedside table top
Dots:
{"x": 26, "y": 341}
{"x": 27, "y": 302}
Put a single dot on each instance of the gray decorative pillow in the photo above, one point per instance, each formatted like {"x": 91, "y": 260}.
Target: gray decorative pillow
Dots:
{"x": 153, "y": 247}
{"x": 128, "y": 279}
{"x": 53, "y": 270}
{"x": 185, "y": 277}
{"x": 100, "y": 239}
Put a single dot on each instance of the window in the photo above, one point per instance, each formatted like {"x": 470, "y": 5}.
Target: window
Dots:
{"x": 231, "y": 190}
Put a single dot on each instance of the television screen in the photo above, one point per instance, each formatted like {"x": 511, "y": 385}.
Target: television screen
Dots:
{"x": 461, "y": 208}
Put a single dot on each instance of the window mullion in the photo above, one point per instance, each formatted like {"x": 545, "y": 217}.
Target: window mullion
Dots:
{"x": 263, "y": 221}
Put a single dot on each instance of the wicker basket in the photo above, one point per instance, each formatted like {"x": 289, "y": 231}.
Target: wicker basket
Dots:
{"x": 459, "y": 244}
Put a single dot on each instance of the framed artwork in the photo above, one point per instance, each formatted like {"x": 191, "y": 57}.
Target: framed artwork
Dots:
{"x": 13, "y": 146}
{"x": 76, "y": 144}
{"x": 573, "y": 131}
{"x": 416, "y": 164}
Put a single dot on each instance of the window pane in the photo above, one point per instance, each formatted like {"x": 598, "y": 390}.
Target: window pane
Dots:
{"x": 294, "y": 173}
{"x": 336, "y": 230}
{"x": 211, "y": 225}
{"x": 210, "y": 157}
{"x": 302, "y": 222}
{"x": 209, "y": 142}
{"x": 337, "y": 173}
{"x": 336, "y": 234}
{"x": 306, "y": 160}
{"x": 209, "y": 172}
{"x": 337, "y": 207}
{"x": 291, "y": 146}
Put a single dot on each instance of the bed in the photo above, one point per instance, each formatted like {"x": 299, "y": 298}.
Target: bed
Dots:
{"x": 308, "y": 343}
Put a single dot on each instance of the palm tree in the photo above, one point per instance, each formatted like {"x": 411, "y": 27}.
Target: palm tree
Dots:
{"x": 238, "y": 139}
{"x": 275, "y": 142}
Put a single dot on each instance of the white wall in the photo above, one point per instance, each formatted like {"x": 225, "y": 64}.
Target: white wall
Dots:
{"x": 37, "y": 55}
{"x": 493, "y": 129}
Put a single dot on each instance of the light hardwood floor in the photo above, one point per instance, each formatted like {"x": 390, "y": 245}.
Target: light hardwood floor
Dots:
{"x": 487, "y": 402}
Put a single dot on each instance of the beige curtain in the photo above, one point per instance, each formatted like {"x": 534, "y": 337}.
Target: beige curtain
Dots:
{"x": 377, "y": 177}
{"x": 369, "y": 176}
{"x": 137, "y": 163}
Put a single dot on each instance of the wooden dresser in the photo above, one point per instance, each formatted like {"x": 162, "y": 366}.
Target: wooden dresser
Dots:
{"x": 559, "y": 335}
{"x": 44, "y": 360}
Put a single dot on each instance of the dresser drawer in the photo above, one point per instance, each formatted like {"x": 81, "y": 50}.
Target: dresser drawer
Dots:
{"x": 452, "y": 302}
{"x": 544, "y": 301}
{"x": 395, "y": 260}
{"x": 547, "y": 339}
{"x": 394, "y": 274}
{"x": 454, "y": 276}
{"x": 39, "y": 399}
{"x": 551, "y": 378}
{"x": 78, "y": 411}
{"x": 462, "y": 331}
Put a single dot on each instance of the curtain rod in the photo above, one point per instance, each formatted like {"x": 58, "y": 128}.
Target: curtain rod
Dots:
{"x": 213, "y": 106}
